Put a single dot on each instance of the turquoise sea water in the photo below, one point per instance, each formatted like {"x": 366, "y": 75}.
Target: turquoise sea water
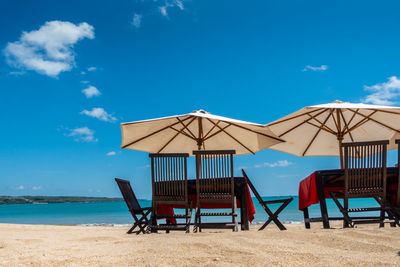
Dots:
{"x": 116, "y": 213}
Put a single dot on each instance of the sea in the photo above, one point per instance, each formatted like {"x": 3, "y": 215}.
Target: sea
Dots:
{"x": 117, "y": 214}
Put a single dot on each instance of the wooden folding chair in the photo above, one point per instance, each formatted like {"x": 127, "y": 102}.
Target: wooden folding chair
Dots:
{"x": 365, "y": 177}
{"x": 394, "y": 208}
{"x": 215, "y": 184}
{"x": 273, "y": 216}
{"x": 169, "y": 184}
{"x": 134, "y": 207}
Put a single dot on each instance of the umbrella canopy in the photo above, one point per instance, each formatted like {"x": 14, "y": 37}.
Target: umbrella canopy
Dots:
{"x": 320, "y": 130}
{"x": 195, "y": 131}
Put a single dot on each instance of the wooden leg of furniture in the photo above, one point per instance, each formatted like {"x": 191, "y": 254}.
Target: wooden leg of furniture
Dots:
{"x": 153, "y": 221}
{"x": 273, "y": 216}
{"x": 142, "y": 223}
{"x": 393, "y": 216}
{"x": 199, "y": 221}
{"x": 382, "y": 218}
{"x": 188, "y": 217}
{"x": 347, "y": 222}
{"x": 392, "y": 224}
{"x": 132, "y": 228}
{"x": 241, "y": 215}
{"x": 345, "y": 213}
{"x": 244, "y": 218}
{"x": 322, "y": 203}
{"x": 196, "y": 223}
{"x": 391, "y": 211}
{"x": 235, "y": 215}
{"x": 306, "y": 218}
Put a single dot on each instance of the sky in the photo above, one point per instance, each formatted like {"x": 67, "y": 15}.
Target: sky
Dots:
{"x": 72, "y": 71}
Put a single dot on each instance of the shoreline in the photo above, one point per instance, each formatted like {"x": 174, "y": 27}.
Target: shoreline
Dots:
{"x": 60, "y": 245}
{"x": 253, "y": 224}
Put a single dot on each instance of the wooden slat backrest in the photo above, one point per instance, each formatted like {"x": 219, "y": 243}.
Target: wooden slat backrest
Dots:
{"x": 365, "y": 168}
{"x": 169, "y": 175}
{"x": 214, "y": 172}
{"x": 128, "y": 195}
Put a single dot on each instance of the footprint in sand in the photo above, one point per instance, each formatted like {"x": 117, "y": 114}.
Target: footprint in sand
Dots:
{"x": 30, "y": 241}
{"x": 98, "y": 238}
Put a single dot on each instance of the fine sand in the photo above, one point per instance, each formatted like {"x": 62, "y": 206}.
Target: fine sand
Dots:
{"x": 45, "y": 245}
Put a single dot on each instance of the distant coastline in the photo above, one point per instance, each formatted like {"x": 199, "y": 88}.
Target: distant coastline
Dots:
{"x": 5, "y": 200}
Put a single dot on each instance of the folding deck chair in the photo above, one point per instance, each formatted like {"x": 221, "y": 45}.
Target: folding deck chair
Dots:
{"x": 134, "y": 207}
{"x": 273, "y": 216}
{"x": 169, "y": 185}
{"x": 215, "y": 184}
{"x": 365, "y": 177}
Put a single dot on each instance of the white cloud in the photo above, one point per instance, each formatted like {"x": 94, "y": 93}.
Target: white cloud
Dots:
{"x": 383, "y": 93}
{"x": 48, "y": 50}
{"x": 83, "y": 134}
{"x": 144, "y": 166}
{"x": 168, "y": 4}
{"x": 149, "y": 8}
{"x": 92, "y": 69}
{"x": 17, "y": 73}
{"x": 137, "y": 20}
{"x": 85, "y": 82}
{"x": 179, "y": 4}
{"x": 21, "y": 187}
{"x": 286, "y": 175}
{"x": 242, "y": 167}
{"x": 163, "y": 10}
{"x": 279, "y": 163}
{"x": 315, "y": 68}
{"x": 99, "y": 113}
{"x": 91, "y": 91}
{"x": 36, "y": 187}
{"x": 111, "y": 153}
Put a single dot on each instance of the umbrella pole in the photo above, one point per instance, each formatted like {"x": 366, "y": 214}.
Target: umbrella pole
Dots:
{"x": 199, "y": 138}
{"x": 340, "y": 139}
{"x": 341, "y": 153}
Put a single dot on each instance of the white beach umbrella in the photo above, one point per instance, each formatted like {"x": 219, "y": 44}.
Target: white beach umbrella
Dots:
{"x": 319, "y": 130}
{"x": 195, "y": 131}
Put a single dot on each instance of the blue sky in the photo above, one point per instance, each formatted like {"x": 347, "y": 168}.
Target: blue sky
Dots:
{"x": 72, "y": 71}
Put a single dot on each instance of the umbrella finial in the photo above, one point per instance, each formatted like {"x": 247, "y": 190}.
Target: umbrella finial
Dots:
{"x": 338, "y": 102}
{"x": 200, "y": 111}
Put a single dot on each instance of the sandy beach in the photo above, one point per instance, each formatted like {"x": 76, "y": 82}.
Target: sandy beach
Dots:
{"x": 46, "y": 245}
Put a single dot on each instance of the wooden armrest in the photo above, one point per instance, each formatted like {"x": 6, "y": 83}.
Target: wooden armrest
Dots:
{"x": 143, "y": 209}
{"x": 277, "y": 201}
